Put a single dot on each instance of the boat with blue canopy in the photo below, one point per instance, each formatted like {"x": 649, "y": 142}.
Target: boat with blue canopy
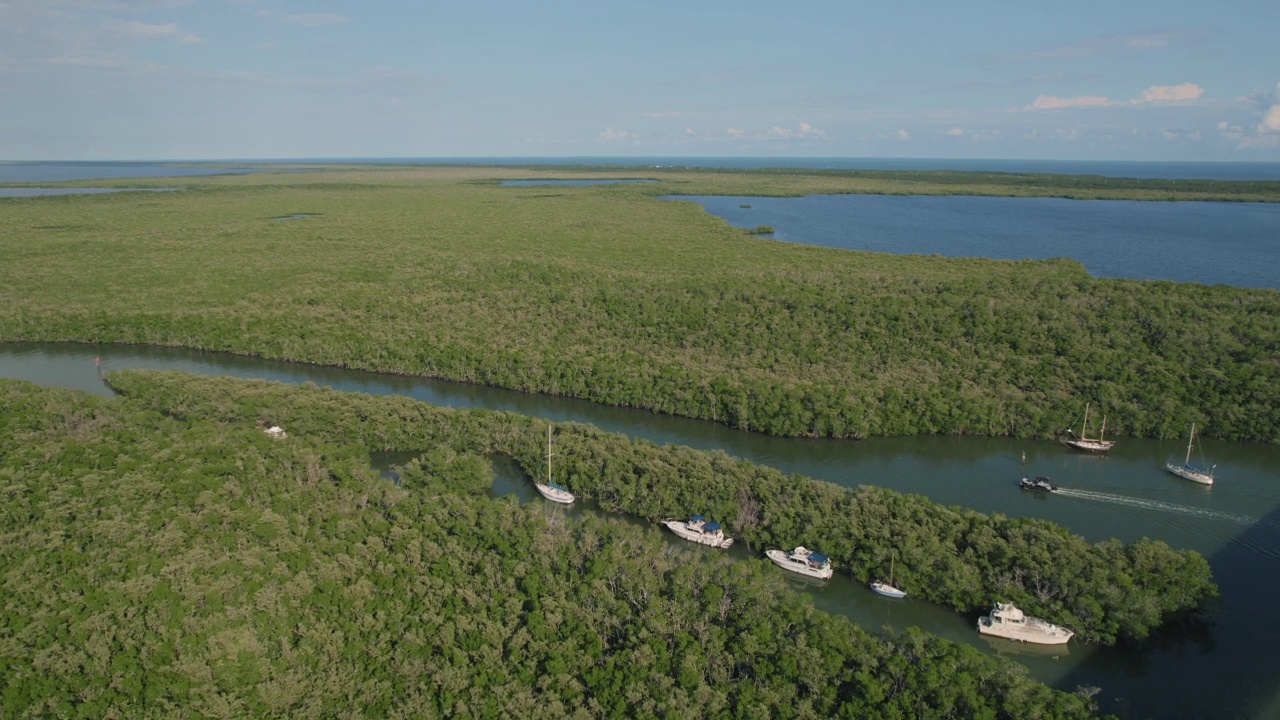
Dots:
{"x": 700, "y": 530}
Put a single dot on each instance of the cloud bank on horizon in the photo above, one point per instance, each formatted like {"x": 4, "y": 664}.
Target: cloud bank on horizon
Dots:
{"x": 206, "y": 79}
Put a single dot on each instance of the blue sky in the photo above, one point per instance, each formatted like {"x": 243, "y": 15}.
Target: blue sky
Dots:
{"x": 208, "y": 79}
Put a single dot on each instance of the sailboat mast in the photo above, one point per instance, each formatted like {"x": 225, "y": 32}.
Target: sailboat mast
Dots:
{"x": 1190, "y": 440}
{"x": 548, "y": 453}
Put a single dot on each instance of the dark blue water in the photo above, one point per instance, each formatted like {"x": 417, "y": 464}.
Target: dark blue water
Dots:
{"x": 1106, "y": 168}
{"x": 526, "y": 183}
{"x": 1205, "y": 242}
{"x": 14, "y": 172}
{"x": 37, "y": 191}
{"x": 51, "y": 171}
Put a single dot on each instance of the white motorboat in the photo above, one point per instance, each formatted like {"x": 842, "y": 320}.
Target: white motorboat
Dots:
{"x": 1007, "y": 621}
{"x": 700, "y": 530}
{"x": 550, "y": 490}
{"x": 1186, "y": 470}
{"x": 802, "y": 560}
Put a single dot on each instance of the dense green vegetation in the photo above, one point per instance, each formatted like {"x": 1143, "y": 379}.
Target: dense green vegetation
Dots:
{"x": 161, "y": 557}
{"x": 609, "y": 294}
{"x": 951, "y": 556}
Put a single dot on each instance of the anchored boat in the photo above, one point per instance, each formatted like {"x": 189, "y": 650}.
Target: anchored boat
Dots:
{"x": 550, "y": 490}
{"x": 1083, "y": 441}
{"x": 700, "y": 530}
{"x": 887, "y": 589}
{"x": 802, "y": 560}
{"x": 1007, "y": 621}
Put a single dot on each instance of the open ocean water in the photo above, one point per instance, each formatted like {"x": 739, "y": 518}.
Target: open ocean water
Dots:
{"x": 1212, "y": 243}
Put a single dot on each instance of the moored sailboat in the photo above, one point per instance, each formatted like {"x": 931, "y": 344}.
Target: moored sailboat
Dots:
{"x": 886, "y": 588}
{"x": 1083, "y": 441}
{"x": 550, "y": 490}
{"x": 1186, "y": 470}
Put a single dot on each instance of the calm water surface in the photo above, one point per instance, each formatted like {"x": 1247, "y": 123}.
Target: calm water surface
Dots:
{"x": 1227, "y": 670}
{"x": 1205, "y": 242}
{"x": 37, "y": 191}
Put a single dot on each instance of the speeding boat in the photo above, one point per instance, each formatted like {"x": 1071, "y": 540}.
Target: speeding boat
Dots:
{"x": 1039, "y": 483}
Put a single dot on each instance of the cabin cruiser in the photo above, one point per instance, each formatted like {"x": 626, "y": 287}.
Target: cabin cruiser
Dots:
{"x": 700, "y": 530}
{"x": 802, "y": 560}
{"x": 1007, "y": 621}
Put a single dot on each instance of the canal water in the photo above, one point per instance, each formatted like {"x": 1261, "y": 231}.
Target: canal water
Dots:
{"x": 1229, "y": 669}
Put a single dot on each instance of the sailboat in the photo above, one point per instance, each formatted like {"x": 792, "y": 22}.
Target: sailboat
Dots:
{"x": 1188, "y": 471}
{"x": 550, "y": 490}
{"x": 1083, "y": 442}
{"x": 887, "y": 589}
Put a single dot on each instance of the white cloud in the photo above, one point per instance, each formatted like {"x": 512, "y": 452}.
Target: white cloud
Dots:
{"x": 1099, "y": 47}
{"x": 305, "y": 19}
{"x": 734, "y": 133}
{"x": 1266, "y": 132}
{"x": 1271, "y": 121}
{"x": 804, "y": 131}
{"x": 611, "y": 135}
{"x": 1052, "y": 102}
{"x": 1184, "y": 93}
{"x": 902, "y": 135}
{"x": 151, "y": 31}
{"x": 1169, "y": 93}
{"x": 954, "y": 132}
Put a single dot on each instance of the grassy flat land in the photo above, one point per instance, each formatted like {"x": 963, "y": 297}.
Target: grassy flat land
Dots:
{"x": 610, "y": 294}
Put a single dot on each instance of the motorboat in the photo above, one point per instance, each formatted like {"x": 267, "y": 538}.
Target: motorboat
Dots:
{"x": 700, "y": 530}
{"x": 802, "y": 560}
{"x": 1007, "y": 621}
{"x": 1040, "y": 483}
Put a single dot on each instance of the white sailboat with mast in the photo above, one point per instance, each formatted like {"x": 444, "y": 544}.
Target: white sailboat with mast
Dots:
{"x": 1083, "y": 441}
{"x": 550, "y": 490}
{"x": 1188, "y": 471}
{"x": 886, "y": 588}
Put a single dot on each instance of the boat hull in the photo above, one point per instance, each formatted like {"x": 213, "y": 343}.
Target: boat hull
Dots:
{"x": 555, "y": 494}
{"x": 1093, "y": 446}
{"x": 1034, "y": 631}
{"x": 888, "y": 591}
{"x": 1191, "y": 474}
{"x": 784, "y": 561}
{"x": 715, "y": 540}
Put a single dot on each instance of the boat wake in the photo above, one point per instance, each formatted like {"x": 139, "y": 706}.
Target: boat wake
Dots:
{"x": 1271, "y": 528}
{"x": 1159, "y": 505}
